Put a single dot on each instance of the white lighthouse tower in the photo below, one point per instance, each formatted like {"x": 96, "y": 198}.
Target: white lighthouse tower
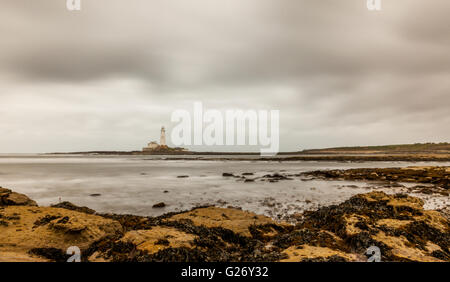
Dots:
{"x": 162, "y": 141}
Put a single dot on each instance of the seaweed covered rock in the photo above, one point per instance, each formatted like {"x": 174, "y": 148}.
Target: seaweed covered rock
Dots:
{"x": 202, "y": 234}
{"x": 397, "y": 224}
{"x": 72, "y": 207}
{"x": 136, "y": 243}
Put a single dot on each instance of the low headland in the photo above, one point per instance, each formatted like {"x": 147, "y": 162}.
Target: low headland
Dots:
{"x": 397, "y": 224}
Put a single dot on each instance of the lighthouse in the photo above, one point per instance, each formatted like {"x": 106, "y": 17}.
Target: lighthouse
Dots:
{"x": 162, "y": 141}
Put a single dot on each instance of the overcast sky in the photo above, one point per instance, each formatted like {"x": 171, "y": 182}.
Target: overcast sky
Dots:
{"x": 107, "y": 77}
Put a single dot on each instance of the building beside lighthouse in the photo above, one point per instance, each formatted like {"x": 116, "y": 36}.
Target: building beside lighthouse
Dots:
{"x": 151, "y": 146}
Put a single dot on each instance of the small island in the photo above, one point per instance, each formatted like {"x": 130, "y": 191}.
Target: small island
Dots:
{"x": 154, "y": 148}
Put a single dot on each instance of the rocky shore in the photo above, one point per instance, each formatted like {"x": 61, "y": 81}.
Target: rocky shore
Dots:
{"x": 437, "y": 179}
{"x": 396, "y": 224}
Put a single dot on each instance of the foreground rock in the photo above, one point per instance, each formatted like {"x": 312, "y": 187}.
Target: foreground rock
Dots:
{"x": 10, "y": 198}
{"x": 29, "y": 233}
{"x": 397, "y": 224}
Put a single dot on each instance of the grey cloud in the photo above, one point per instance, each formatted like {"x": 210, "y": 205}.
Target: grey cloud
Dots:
{"x": 338, "y": 73}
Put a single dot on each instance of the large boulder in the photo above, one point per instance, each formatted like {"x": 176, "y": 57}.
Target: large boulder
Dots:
{"x": 32, "y": 233}
{"x": 10, "y": 198}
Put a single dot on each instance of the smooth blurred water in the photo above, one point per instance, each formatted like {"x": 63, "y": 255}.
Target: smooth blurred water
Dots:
{"x": 132, "y": 184}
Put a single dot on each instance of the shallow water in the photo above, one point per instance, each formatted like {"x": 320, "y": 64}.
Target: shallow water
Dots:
{"x": 132, "y": 184}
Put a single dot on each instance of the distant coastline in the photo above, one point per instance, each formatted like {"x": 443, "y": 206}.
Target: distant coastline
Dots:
{"x": 439, "y": 152}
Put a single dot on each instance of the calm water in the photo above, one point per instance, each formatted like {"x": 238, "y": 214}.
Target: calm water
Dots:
{"x": 132, "y": 184}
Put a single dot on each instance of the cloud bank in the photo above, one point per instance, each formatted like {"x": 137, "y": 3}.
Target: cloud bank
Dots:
{"x": 107, "y": 77}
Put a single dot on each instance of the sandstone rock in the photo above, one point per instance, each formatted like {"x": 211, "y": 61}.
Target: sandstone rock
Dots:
{"x": 150, "y": 240}
{"x": 61, "y": 229}
{"x": 236, "y": 220}
{"x": 9, "y": 198}
{"x": 306, "y": 252}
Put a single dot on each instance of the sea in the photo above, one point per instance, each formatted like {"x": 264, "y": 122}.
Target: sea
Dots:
{"x": 132, "y": 184}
